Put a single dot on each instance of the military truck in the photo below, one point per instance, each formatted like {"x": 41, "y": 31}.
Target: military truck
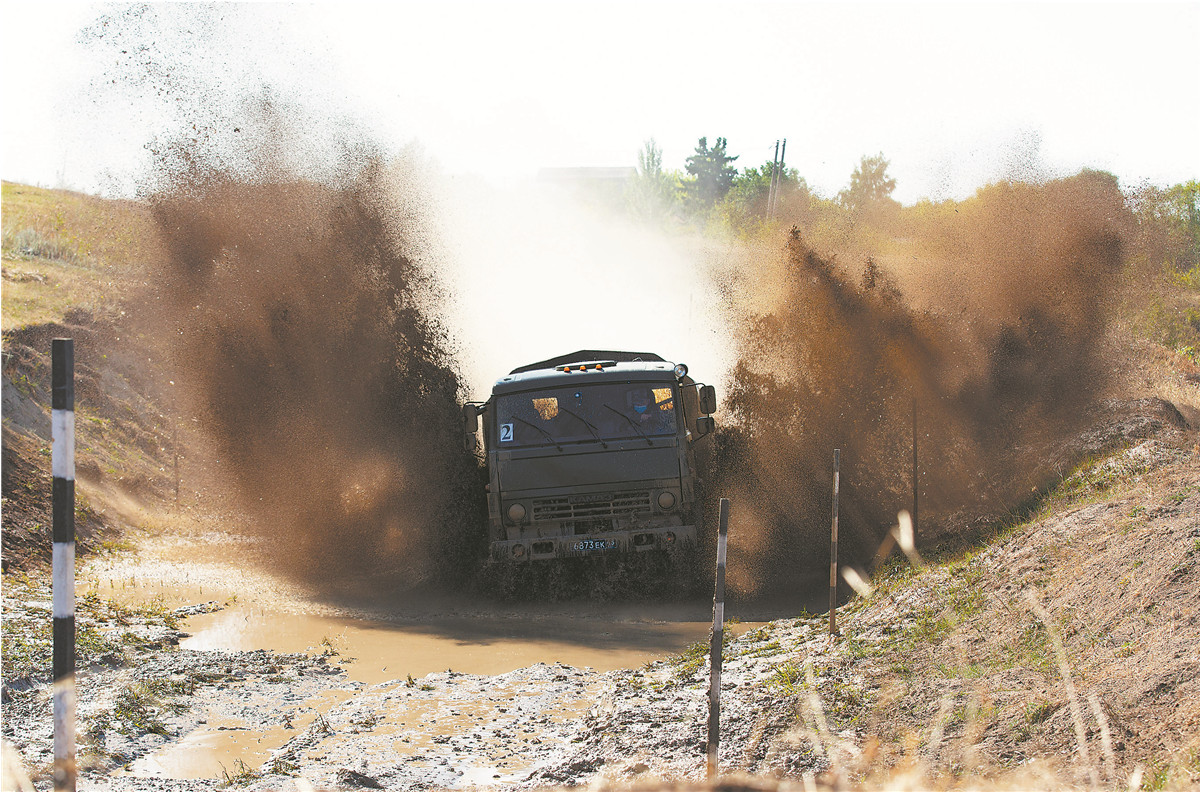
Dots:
{"x": 591, "y": 453}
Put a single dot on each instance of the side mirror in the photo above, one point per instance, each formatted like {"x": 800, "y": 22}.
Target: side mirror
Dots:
{"x": 708, "y": 400}
{"x": 470, "y": 443}
{"x": 470, "y": 414}
{"x": 705, "y": 425}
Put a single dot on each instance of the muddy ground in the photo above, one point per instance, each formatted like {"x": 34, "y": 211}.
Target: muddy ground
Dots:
{"x": 962, "y": 666}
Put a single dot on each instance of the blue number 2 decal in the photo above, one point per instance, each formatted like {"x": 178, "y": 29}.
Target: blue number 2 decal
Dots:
{"x": 506, "y": 433}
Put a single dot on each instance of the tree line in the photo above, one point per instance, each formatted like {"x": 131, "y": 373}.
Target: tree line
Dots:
{"x": 712, "y": 190}
{"x": 712, "y": 193}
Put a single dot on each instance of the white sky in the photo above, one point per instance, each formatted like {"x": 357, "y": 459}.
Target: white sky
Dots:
{"x": 954, "y": 95}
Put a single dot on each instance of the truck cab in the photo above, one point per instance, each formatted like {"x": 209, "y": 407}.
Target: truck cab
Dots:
{"x": 591, "y": 453}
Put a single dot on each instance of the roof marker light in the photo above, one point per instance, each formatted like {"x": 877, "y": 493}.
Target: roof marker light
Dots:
{"x": 596, "y": 364}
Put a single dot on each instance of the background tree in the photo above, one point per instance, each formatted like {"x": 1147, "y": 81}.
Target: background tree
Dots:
{"x": 752, "y": 187}
{"x": 711, "y": 172}
{"x": 870, "y": 186}
{"x": 652, "y": 192}
{"x": 744, "y": 208}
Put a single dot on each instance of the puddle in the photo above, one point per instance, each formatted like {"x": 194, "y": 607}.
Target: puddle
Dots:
{"x": 210, "y": 752}
{"x": 382, "y": 642}
{"x": 409, "y": 636}
{"x": 220, "y": 746}
{"x": 380, "y": 651}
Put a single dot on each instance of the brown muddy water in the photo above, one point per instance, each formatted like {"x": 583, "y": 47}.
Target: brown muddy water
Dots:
{"x": 390, "y": 636}
{"x": 390, "y": 639}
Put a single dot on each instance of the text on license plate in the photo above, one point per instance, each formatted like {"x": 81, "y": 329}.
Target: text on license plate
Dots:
{"x": 594, "y": 544}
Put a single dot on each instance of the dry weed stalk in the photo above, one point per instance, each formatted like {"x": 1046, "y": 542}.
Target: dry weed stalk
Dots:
{"x": 1060, "y": 655}
{"x": 835, "y": 749}
{"x": 1135, "y": 778}
{"x": 939, "y": 725}
{"x": 903, "y": 532}
{"x": 857, "y": 581}
{"x": 1110, "y": 759}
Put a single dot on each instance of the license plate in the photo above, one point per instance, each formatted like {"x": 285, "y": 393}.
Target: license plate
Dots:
{"x": 590, "y": 545}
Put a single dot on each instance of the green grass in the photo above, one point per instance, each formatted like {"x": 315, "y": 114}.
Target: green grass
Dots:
{"x": 767, "y": 649}
{"x": 927, "y": 625}
{"x": 1040, "y": 711}
{"x": 27, "y": 647}
{"x": 692, "y": 659}
{"x": 1185, "y": 493}
{"x": 787, "y": 679}
{"x": 141, "y": 707}
{"x": 28, "y": 243}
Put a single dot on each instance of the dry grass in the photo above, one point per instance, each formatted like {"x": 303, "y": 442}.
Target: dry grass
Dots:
{"x": 64, "y": 250}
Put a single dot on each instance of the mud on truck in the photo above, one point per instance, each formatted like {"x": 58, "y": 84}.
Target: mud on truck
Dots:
{"x": 591, "y": 453}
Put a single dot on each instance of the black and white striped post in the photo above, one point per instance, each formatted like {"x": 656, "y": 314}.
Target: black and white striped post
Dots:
{"x": 62, "y": 462}
{"x": 718, "y": 635}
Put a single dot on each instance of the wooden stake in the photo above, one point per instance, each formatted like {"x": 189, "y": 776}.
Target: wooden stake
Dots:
{"x": 915, "y": 473}
{"x": 718, "y": 635}
{"x": 833, "y": 545}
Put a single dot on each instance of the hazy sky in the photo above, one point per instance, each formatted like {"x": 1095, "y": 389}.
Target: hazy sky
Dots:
{"x": 955, "y": 95}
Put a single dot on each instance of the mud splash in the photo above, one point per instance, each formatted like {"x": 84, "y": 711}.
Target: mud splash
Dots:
{"x": 303, "y": 337}
{"x": 296, "y": 307}
{"x": 996, "y": 334}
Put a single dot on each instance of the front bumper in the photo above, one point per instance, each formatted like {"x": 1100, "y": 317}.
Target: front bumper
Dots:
{"x": 636, "y": 540}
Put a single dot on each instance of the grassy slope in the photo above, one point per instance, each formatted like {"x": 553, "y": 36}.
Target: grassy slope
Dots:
{"x": 990, "y": 663}
{"x": 69, "y": 262}
{"x": 1086, "y": 613}
{"x": 66, "y": 250}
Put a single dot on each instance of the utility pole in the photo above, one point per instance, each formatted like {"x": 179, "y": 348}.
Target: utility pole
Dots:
{"x": 777, "y": 171}
{"x": 779, "y": 178}
{"x": 774, "y": 177}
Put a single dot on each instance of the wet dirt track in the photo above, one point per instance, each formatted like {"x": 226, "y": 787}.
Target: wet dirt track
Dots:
{"x": 445, "y": 691}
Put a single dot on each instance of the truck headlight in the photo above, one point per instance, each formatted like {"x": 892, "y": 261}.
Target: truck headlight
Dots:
{"x": 666, "y": 499}
{"x": 516, "y": 512}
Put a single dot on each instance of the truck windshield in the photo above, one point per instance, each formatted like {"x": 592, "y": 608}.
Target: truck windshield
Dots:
{"x": 603, "y": 411}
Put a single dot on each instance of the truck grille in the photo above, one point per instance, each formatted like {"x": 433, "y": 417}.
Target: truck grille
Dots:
{"x": 584, "y": 507}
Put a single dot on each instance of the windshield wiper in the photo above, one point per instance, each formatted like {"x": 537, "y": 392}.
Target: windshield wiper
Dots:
{"x": 632, "y": 423}
{"x": 545, "y": 434}
{"x": 595, "y": 432}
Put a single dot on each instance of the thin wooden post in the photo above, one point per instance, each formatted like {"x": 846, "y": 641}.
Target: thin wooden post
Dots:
{"x": 62, "y": 463}
{"x": 916, "y": 480}
{"x": 175, "y": 438}
{"x": 715, "y": 644}
{"x": 833, "y": 545}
